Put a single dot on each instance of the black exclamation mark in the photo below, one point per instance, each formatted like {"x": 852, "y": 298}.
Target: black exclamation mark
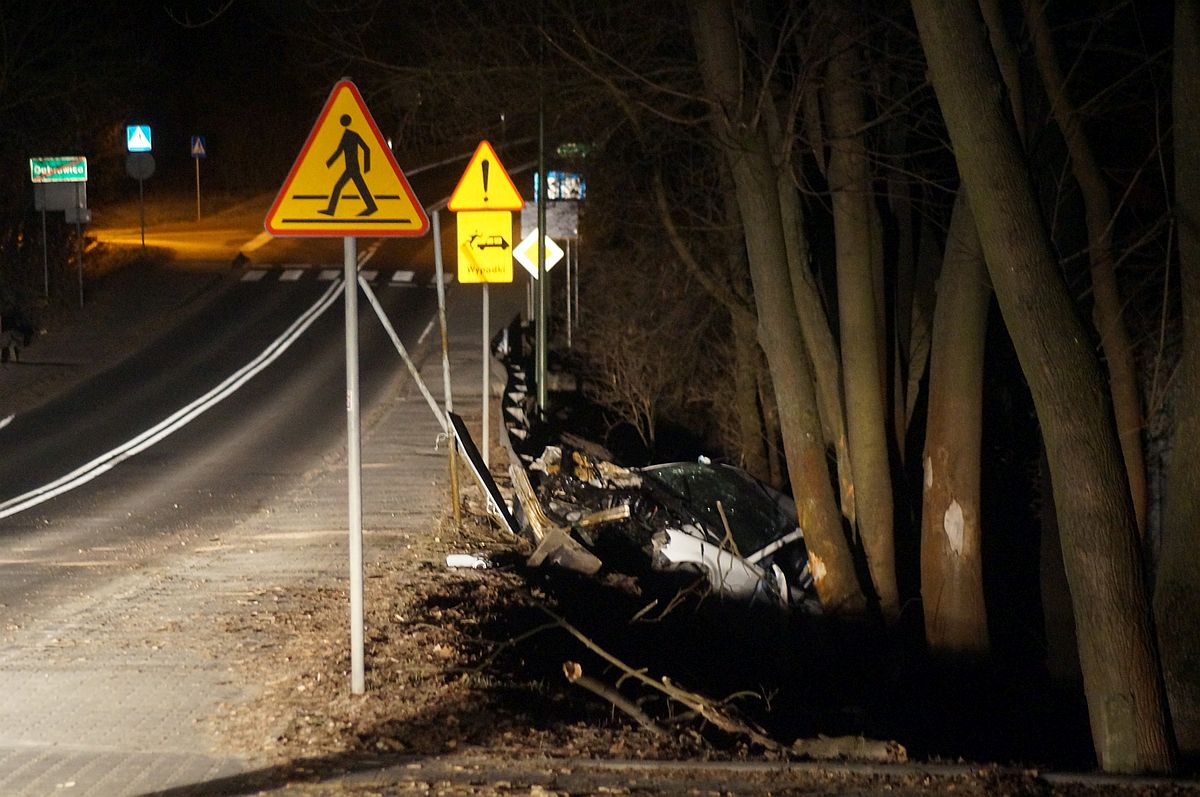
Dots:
{"x": 484, "y": 165}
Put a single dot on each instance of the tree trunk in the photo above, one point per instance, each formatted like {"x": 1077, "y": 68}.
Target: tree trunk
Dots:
{"x": 1114, "y": 338}
{"x": 751, "y": 439}
{"x": 1177, "y": 592}
{"x": 903, "y": 367}
{"x": 1126, "y": 700}
{"x": 814, "y": 321}
{"x": 858, "y": 303}
{"x": 951, "y": 536}
{"x": 770, "y": 411}
{"x": 745, "y": 147}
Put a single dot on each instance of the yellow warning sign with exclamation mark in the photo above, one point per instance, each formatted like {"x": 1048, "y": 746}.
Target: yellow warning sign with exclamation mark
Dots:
{"x": 485, "y": 185}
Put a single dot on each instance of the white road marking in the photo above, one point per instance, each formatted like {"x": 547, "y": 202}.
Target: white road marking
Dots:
{"x": 425, "y": 332}
{"x": 253, "y": 275}
{"x": 6, "y": 421}
{"x": 176, "y": 421}
{"x": 291, "y": 275}
{"x": 368, "y": 275}
{"x": 403, "y": 277}
{"x": 328, "y": 274}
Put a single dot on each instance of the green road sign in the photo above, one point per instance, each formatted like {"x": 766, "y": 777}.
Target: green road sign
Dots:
{"x": 60, "y": 169}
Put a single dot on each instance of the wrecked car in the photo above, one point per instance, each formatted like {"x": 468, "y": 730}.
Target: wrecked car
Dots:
{"x": 711, "y": 519}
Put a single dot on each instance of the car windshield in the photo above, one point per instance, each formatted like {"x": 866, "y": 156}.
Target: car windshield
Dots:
{"x": 755, "y": 518}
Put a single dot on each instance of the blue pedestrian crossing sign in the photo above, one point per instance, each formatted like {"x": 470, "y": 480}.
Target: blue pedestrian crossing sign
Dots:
{"x": 137, "y": 138}
{"x": 198, "y": 147}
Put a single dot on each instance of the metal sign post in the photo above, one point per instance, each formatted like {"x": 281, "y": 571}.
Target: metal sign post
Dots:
{"x": 140, "y": 166}
{"x": 439, "y": 274}
{"x": 45, "y": 256}
{"x": 354, "y": 466}
{"x": 570, "y": 319}
{"x": 487, "y": 379}
{"x": 542, "y": 324}
{"x": 80, "y": 203}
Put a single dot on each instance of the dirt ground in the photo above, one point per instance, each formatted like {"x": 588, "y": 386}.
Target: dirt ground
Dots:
{"x": 465, "y": 694}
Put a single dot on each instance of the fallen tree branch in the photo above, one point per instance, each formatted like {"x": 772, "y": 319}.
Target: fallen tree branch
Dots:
{"x": 857, "y": 748}
{"x": 574, "y": 673}
{"x": 709, "y": 710}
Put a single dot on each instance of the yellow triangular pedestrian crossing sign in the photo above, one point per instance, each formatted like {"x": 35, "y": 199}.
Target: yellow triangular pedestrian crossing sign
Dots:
{"x": 345, "y": 182}
{"x": 485, "y": 185}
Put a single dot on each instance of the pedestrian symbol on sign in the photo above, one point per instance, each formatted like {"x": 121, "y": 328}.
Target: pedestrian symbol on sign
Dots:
{"x": 348, "y": 148}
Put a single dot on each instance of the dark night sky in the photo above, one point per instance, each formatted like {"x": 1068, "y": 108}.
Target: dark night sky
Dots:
{"x": 235, "y": 79}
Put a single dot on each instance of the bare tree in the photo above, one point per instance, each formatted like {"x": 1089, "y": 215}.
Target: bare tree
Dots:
{"x": 1119, "y": 660}
{"x": 744, "y": 144}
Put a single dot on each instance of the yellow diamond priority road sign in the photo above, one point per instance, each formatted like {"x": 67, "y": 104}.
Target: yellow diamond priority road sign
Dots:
{"x": 526, "y": 253}
{"x": 345, "y": 182}
{"x": 485, "y": 252}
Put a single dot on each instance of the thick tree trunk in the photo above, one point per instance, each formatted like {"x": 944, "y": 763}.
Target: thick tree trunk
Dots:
{"x": 1126, "y": 700}
{"x": 1177, "y": 592}
{"x": 951, "y": 537}
{"x": 745, "y": 147}
{"x": 1114, "y": 338}
{"x": 858, "y": 312}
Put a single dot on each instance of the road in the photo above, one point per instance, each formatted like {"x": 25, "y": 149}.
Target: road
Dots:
{"x": 74, "y": 498}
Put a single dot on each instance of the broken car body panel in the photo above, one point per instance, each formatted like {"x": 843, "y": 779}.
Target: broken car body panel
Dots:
{"x": 715, "y": 520}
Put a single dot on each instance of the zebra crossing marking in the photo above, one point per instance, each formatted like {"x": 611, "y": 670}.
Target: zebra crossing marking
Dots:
{"x": 297, "y": 272}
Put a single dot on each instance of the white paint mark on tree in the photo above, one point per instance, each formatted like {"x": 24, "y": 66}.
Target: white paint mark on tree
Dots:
{"x": 953, "y": 524}
{"x": 928, "y": 472}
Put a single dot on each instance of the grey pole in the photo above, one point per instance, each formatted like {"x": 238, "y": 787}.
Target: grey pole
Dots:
{"x": 354, "y": 468}
{"x": 541, "y": 289}
{"x": 45, "y": 255}
{"x": 79, "y": 241}
{"x": 142, "y": 211}
{"x": 79, "y": 260}
{"x": 487, "y": 386}
{"x": 441, "y": 294}
{"x": 543, "y": 310}
{"x": 569, "y": 317}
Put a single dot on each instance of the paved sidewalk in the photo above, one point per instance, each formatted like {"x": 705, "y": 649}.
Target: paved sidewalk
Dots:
{"x": 115, "y": 692}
